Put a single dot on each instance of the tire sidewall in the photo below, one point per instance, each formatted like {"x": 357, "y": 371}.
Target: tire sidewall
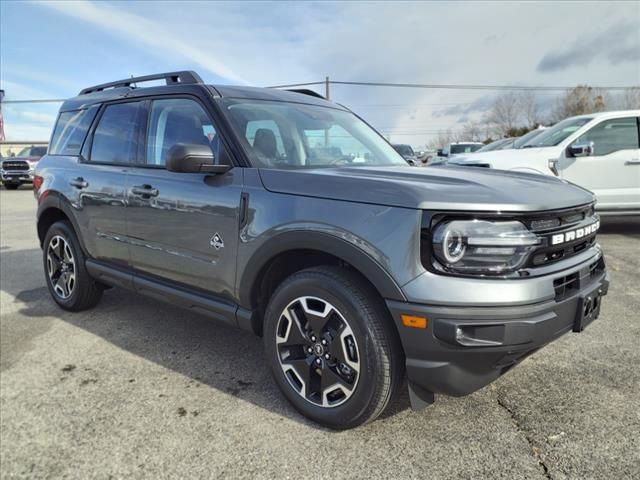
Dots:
{"x": 328, "y": 289}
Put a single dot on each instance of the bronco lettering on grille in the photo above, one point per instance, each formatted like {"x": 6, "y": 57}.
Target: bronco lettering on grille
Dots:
{"x": 575, "y": 234}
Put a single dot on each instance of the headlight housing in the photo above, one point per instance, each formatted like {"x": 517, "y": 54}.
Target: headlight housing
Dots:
{"x": 481, "y": 246}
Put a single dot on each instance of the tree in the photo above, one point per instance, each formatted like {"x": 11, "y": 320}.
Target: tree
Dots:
{"x": 505, "y": 112}
{"x": 630, "y": 99}
{"x": 512, "y": 112}
{"x": 578, "y": 101}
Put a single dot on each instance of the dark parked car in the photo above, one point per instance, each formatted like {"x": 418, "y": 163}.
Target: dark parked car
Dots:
{"x": 286, "y": 215}
{"x": 407, "y": 153}
{"x": 14, "y": 171}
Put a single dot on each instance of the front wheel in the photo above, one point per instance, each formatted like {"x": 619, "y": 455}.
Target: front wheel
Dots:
{"x": 333, "y": 350}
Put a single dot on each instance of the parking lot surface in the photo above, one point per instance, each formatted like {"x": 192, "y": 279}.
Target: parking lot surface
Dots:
{"x": 136, "y": 388}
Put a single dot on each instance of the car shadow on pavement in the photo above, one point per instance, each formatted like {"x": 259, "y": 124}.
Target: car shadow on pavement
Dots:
{"x": 208, "y": 352}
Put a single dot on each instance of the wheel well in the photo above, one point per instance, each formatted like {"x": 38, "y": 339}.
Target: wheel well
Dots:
{"x": 48, "y": 218}
{"x": 282, "y": 266}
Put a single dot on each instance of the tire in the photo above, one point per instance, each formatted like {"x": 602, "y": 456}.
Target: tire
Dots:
{"x": 357, "y": 334}
{"x": 67, "y": 278}
{"x": 11, "y": 186}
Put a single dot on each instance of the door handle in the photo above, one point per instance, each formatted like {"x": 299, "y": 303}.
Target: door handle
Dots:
{"x": 145, "y": 191}
{"x": 79, "y": 183}
{"x": 634, "y": 161}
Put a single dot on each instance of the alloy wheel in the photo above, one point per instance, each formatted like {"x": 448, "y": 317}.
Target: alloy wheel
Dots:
{"x": 61, "y": 267}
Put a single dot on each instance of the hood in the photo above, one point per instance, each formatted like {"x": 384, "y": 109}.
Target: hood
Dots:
{"x": 445, "y": 188}
{"x": 23, "y": 159}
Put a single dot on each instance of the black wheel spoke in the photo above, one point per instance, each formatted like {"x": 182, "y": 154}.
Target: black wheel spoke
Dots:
{"x": 302, "y": 368}
{"x": 330, "y": 377}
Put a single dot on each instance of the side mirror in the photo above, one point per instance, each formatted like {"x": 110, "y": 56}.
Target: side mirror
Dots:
{"x": 581, "y": 149}
{"x": 192, "y": 158}
{"x": 441, "y": 153}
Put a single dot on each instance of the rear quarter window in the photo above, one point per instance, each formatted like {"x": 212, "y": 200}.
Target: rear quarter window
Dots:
{"x": 70, "y": 131}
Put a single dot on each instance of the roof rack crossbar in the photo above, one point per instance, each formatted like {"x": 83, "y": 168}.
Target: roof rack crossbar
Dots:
{"x": 172, "y": 78}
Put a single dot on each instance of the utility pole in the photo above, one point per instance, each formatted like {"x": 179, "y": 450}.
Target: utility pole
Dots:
{"x": 327, "y": 96}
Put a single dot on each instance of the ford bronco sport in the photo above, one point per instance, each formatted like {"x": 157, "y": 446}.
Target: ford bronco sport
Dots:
{"x": 287, "y": 215}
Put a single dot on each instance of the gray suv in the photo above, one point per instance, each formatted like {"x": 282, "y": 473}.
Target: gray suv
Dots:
{"x": 288, "y": 216}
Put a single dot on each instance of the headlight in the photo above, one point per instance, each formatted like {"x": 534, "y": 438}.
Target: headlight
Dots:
{"x": 481, "y": 246}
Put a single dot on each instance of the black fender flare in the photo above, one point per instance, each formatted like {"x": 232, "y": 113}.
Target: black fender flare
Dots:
{"x": 55, "y": 200}
{"x": 322, "y": 242}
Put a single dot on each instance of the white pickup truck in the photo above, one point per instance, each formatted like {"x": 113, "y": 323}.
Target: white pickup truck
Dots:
{"x": 600, "y": 152}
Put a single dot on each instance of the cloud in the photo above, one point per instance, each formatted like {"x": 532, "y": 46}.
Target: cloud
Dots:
{"x": 617, "y": 44}
{"x": 480, "y": 105}
{"x": 138, "y": 29}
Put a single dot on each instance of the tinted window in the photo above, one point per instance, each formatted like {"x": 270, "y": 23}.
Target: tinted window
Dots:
{"x": 70, "y": 131}
{"x": 612, "y": 135}
{"x": 178, "y": 120}
{"x": 115, "y": 139}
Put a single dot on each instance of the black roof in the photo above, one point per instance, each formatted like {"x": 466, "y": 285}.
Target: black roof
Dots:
{"x": 128, "y": 88}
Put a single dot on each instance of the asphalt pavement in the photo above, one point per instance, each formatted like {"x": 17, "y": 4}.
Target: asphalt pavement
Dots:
{"x": 140, "y": 389}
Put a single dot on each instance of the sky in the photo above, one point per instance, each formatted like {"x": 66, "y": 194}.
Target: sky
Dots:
{"x": 54, "y": 49}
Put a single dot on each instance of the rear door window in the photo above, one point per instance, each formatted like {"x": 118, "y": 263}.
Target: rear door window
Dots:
{"x": 70, "y": 131}
{"x": 115, "y": 139}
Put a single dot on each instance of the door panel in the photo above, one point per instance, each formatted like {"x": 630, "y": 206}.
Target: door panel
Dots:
{"x": 99, "y": 204}
{"x": 170, "y": 234}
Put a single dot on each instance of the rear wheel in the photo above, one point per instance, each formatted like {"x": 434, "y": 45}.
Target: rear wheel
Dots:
{"x": 333, "y": 351}
{"x": 67, "y": 278}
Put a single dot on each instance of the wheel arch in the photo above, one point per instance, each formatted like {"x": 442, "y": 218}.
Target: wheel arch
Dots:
{"x": 290, "y": 252}
{"x": 54, "y": 208}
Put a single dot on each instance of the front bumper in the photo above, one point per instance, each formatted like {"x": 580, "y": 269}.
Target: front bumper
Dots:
{"x": 465, "y": 348}
{"x": 16, "y": 176}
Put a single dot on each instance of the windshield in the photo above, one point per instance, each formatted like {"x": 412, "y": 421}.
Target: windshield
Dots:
{"x": 494, "y": 145}
{"x": 33, "y": 152}
{"x": 404, "y": 150}
{"x": 526, "y": 138}
{"x": 556, "y": 134}
{"x": 293, "y": 135}
{"x": 464, "y": 148}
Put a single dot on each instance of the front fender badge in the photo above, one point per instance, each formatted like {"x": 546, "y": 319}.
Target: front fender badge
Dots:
{"x": 216, "y": 241}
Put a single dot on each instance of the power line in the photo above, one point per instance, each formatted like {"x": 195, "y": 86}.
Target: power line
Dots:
{"x": 454, "y": 86}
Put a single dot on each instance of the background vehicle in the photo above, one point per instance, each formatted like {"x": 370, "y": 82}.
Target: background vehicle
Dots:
{"x": 17, "y": 170}
{"x": 286, "y": 215}
{"x": 497, "y": 145}
{"x": 600, "y": 152}
{"x": 407, "y": 153}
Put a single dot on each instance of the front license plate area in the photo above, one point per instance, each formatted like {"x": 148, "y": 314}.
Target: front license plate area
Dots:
{"x": 588, "y": 308}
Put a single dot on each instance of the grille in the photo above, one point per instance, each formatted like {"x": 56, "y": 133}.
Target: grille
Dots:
{"x": 560, "y": 222}
{"x": 15, "y": 165}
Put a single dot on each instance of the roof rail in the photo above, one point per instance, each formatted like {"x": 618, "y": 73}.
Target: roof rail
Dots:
{"x": 306, "y": 91}
{"x": 172, "y": 78}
